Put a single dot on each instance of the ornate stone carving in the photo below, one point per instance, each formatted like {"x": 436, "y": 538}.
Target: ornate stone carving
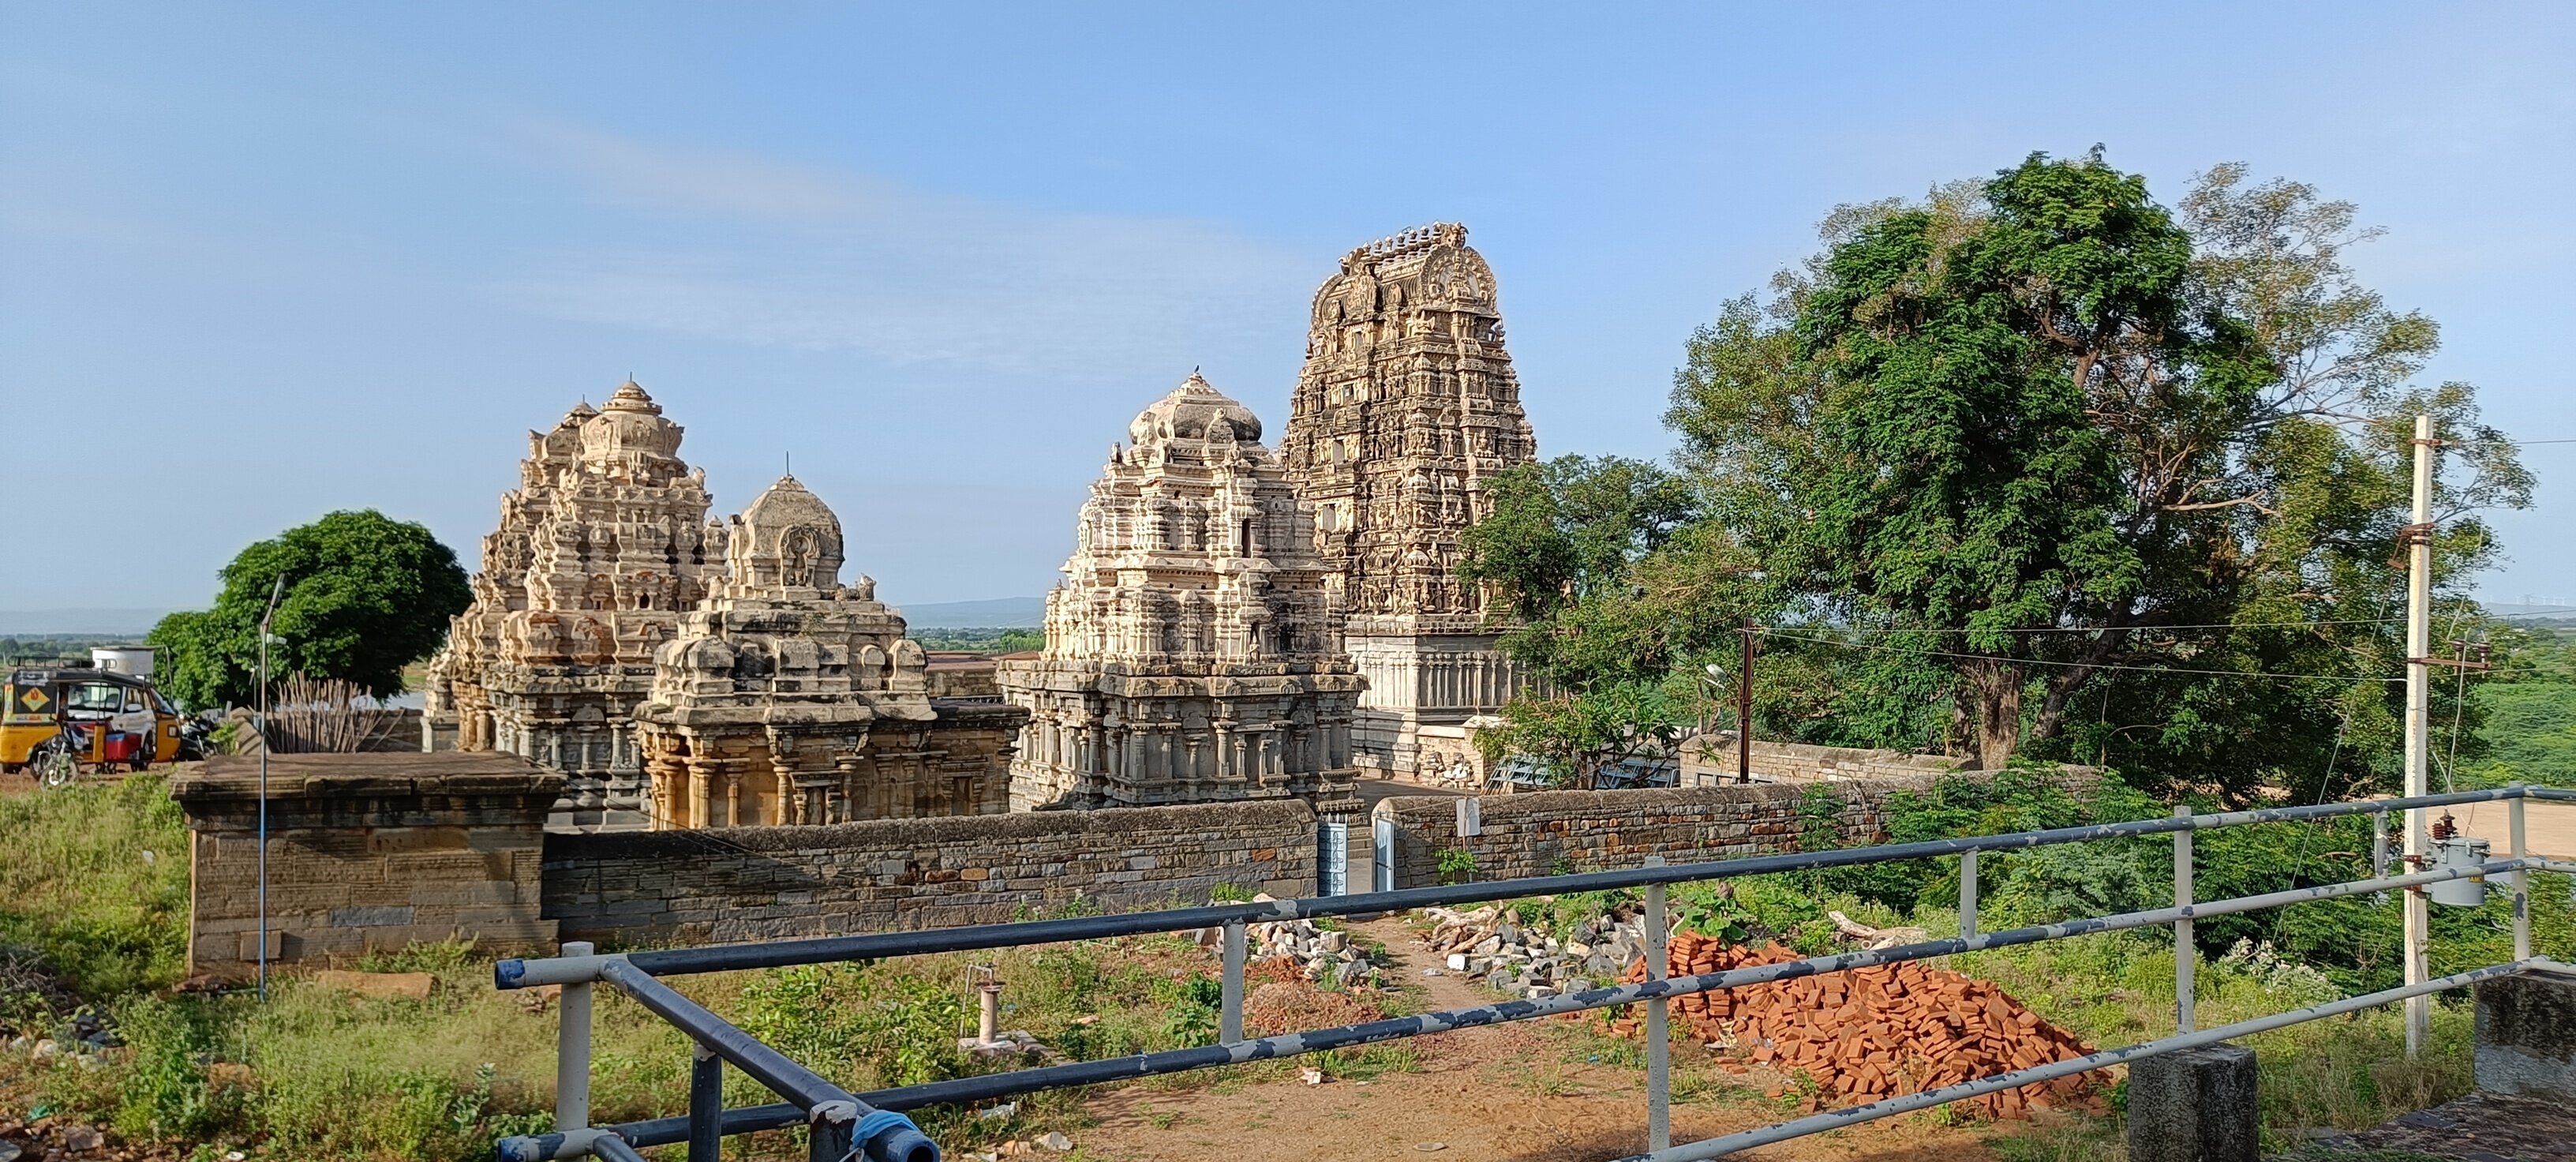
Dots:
{"x": 601, "y": 548}
{"x": 1191, "y": 653}
{"x": 786, "y": 698}
{"x": 1406, "y": 407}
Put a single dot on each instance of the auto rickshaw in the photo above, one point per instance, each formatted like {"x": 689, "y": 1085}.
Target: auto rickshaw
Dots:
{"x": 57, "y": 720}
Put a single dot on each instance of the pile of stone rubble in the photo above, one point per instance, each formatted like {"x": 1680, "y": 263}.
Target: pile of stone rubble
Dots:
{"x": 1322, "y": 955}
{"x": 1491, "y": 944}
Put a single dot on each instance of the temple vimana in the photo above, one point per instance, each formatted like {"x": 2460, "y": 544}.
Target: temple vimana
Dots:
{"x": 1233, "y": 622}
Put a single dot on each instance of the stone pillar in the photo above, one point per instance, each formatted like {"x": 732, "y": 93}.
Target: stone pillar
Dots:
{"x": 2526, "y": 1034}
{"x": 2194, "y": 1105}
{"x": 702, "y": 779}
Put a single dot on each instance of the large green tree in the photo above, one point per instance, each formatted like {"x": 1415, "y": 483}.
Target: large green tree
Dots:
{"x": 2099, "y": 463}
{"x": 365, "y": 595}
{"x": 1573, "y": 553}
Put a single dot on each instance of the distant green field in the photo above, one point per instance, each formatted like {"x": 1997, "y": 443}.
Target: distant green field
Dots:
{"x": 2530, "y": 733}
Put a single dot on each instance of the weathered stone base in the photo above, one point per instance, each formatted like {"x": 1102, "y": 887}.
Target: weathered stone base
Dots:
{"x": 2526, "y": 1034}
{"x": 2194, "y": 1105}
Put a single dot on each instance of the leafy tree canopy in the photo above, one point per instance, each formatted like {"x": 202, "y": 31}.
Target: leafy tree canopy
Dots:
{"x": 364, "y": 596}
{"x": 2037, "y": 465}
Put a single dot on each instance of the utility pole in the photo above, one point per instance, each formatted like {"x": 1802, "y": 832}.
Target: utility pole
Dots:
{"x": 1744, "y": 709}
{"x": 259, "y": 726}
{"x": 2419, "y": 714}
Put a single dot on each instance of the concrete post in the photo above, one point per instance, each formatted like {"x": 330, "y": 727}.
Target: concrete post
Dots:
{"x": 1968, "y": 893}
{"x": 2526, "y": 1034}
{"x": 2194, "y": 1105}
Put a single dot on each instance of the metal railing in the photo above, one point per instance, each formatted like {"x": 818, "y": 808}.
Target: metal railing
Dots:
{"x": 847, "y": 1126}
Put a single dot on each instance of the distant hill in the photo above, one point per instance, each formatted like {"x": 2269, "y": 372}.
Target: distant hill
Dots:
{"x": 998, "y": 613}
{"x": 108, "y": 622}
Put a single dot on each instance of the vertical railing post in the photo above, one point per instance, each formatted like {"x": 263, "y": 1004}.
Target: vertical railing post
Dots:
{"x": 827, "y": 1132}
{"x": 2379, "y": 852}
{"x": 1229, "y": 1027}
{"x": 2184, "y": 1020}
{"x": 1659, "y": 1040}
{"x": 572, "y": 1049}
{"x": 706, "y": 1105}
{"x": 2521, "y": 878}
{"x": 1968, "y": 892}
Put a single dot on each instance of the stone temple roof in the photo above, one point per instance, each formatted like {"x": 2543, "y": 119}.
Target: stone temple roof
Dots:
{"x": 1187, "y": 413}
{"x": 630, "y": 397}
{"x": 788, "y": 504}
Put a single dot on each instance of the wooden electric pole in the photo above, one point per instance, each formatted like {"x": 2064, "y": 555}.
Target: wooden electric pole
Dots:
{"x": 1744, "y": 709}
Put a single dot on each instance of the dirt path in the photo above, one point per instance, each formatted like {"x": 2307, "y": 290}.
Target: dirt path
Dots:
{"x": 2550, "y": 828}
{"x": 1513, "y": 1093}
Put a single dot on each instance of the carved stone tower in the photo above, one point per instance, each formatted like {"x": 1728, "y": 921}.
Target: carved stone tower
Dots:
{"x": 1191, "y": 654}
{"x": 1406, "y": 408}
{"x": 601, "y": 548}
{"x": 789, "y": 698}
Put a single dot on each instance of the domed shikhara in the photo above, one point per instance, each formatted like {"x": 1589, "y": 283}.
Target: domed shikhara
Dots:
{"x": 628, "y": 437}
{"x": 787, "y": 697}
{"x": 787, "y": 539}
{"x": 1195, "y": 411}
{"x": 1190, "y": 653}
{"x": 1406, "y": 409}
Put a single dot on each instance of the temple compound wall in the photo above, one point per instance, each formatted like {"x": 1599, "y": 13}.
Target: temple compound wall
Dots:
{"x": 1191, "y": 653}
{"x": 602, "y": 548}
{"x": 1406, "y": 408}
{"x": 788, "y": 698}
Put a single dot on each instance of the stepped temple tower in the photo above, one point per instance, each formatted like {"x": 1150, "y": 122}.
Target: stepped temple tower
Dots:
{"x": 787, "y": 697}
{"x": 1191, "y": 654}
{"x": 601, "y": 549}
{"x": 1406, "y": 408}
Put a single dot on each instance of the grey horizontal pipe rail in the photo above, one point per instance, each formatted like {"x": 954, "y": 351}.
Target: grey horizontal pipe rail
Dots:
{"x": 2561, "y": 794}
{"x": 527, "y": 973}
{"x": 994, "y": 1085}
{"x": 1702, "y": 1151}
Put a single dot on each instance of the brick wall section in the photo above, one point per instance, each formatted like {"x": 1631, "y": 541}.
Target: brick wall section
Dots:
{"x": 365, "y": 851}
{"x": 730, "y": 884}
{"x": 1529, "y": 834}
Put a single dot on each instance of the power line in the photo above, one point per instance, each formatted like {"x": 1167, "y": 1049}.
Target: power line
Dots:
{"x": 2100, "y": 628}
{"x": 2100, "y": 666}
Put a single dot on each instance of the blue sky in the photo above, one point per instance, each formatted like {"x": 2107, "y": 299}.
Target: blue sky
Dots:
{"x": 263, "y": 261}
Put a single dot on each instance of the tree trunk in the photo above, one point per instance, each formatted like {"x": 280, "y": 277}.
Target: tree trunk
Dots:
{"x": 1994, "y": 686}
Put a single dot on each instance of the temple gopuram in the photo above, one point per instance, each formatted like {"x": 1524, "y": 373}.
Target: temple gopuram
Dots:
{"x": 788, "y": 698}
{"x": 1191, "y": 654}
{"x": 1406, "y": 408}
{"x": 601, "y": 549}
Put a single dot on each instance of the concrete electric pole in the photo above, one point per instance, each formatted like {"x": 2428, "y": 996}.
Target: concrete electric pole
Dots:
{"x": 2419, "y": 708}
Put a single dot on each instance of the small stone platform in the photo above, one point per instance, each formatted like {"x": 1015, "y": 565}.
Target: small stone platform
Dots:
{"x": 2482, "y": 1127}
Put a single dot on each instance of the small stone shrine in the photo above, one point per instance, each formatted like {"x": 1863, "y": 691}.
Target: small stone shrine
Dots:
{"x": 601, "y": 549}
{"x": 788, "y": 698}
{"x": 1406, "y": 408}
{"x": 1191, "y": 655}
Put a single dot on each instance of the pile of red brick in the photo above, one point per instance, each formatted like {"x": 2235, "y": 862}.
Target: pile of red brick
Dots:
{"x": 1865, "y": 1034}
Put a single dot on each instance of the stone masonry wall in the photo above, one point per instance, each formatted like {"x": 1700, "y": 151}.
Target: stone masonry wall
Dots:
{"x": 1546, "y": 832}
{"x": 731, "y": 884}
{"x": 365, "y": 852}
{"x": 1709, "y": 760}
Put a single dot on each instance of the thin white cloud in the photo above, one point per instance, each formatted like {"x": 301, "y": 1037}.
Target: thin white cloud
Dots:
{"x": 790, "y": 255}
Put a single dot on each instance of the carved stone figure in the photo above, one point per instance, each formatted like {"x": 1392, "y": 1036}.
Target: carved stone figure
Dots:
{"x": 786, "y": 698}
{"x": 1191, "y": 654}
{"x": 601, "y": 548}
{"x": 1406, "y": 407}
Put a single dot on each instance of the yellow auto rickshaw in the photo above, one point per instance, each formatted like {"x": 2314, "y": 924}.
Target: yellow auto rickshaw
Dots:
{"x": 59, "y": 719}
